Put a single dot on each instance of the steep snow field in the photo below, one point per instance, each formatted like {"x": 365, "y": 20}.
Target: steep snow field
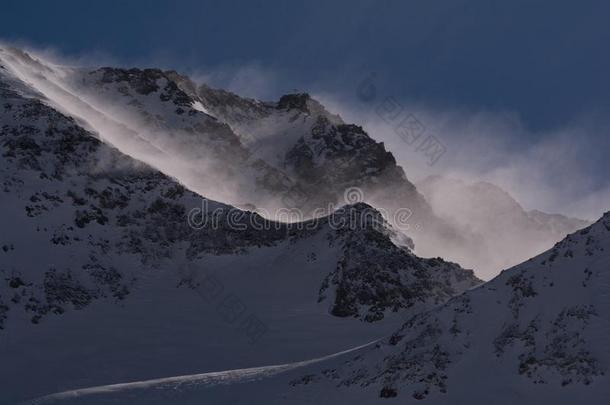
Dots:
{"x": 161, "y": 330}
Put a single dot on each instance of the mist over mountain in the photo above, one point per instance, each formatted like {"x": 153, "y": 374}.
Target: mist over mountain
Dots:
{"x": 508, "y": 233}
{"x": 167, "y": 241}
{"x": 122, "y": 249}
{"x": 271, "y": 156}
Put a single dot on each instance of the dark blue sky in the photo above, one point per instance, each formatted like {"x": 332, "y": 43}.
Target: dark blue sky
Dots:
{"x": 547, "y": 60}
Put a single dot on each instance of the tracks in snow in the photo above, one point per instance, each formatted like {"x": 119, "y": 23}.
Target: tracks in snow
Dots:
{"x": 199, "y": 380}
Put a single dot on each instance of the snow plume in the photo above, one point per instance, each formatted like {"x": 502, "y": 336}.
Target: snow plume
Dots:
{"x": 554, "y": 170}
{"x": 147, "y": 138}
{"x": 493, "y": 173}
{"x": 557, "y": 170}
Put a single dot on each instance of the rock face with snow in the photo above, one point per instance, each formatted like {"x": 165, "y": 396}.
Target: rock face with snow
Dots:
{"x": 369, "y": 279}
{"x": 85, "y": 208}
{"x": 85, "y": 197}
{"x": 480, "y": 226}
{"x": 153, "y": 102}
{"x": 539, "y": 330}
{"x": 322, "y": 154}
{"x": 268, "y": 156}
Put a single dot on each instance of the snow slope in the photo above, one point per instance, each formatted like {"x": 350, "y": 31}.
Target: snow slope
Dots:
{"x": 537, "y": 333}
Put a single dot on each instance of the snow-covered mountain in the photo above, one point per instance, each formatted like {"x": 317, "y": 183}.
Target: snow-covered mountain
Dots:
{"x": 539, "y": 329}
{"x": 111, "y": 270}
{"x": 507, "y": 233}
{"x": 264, "y": 155}
{"x": 145, "y": 115}
{"x": 480, "y": 225}
{"x": 126, "y": 261}
{"x": 537, "y": 333}
{"x": 324, "y": 156}
{"x": 269, "y": 156}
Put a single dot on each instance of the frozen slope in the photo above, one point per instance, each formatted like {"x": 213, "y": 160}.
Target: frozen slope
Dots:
{"x": 537, "y": 333}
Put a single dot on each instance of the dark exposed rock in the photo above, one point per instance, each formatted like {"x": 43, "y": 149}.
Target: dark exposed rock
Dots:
{"x": 296, "y": 101}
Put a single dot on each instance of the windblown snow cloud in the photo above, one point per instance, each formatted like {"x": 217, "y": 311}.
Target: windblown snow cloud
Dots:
{"x": 145, "y": 137}
{"x": 558, "y": 171}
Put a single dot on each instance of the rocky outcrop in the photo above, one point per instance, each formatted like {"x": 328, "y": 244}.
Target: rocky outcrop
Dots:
{"x": 545, "y": 320}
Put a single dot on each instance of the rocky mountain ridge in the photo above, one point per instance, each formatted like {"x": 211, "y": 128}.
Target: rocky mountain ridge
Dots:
{"x": 93, "y": 231}
{"x": 265, "y": 156}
